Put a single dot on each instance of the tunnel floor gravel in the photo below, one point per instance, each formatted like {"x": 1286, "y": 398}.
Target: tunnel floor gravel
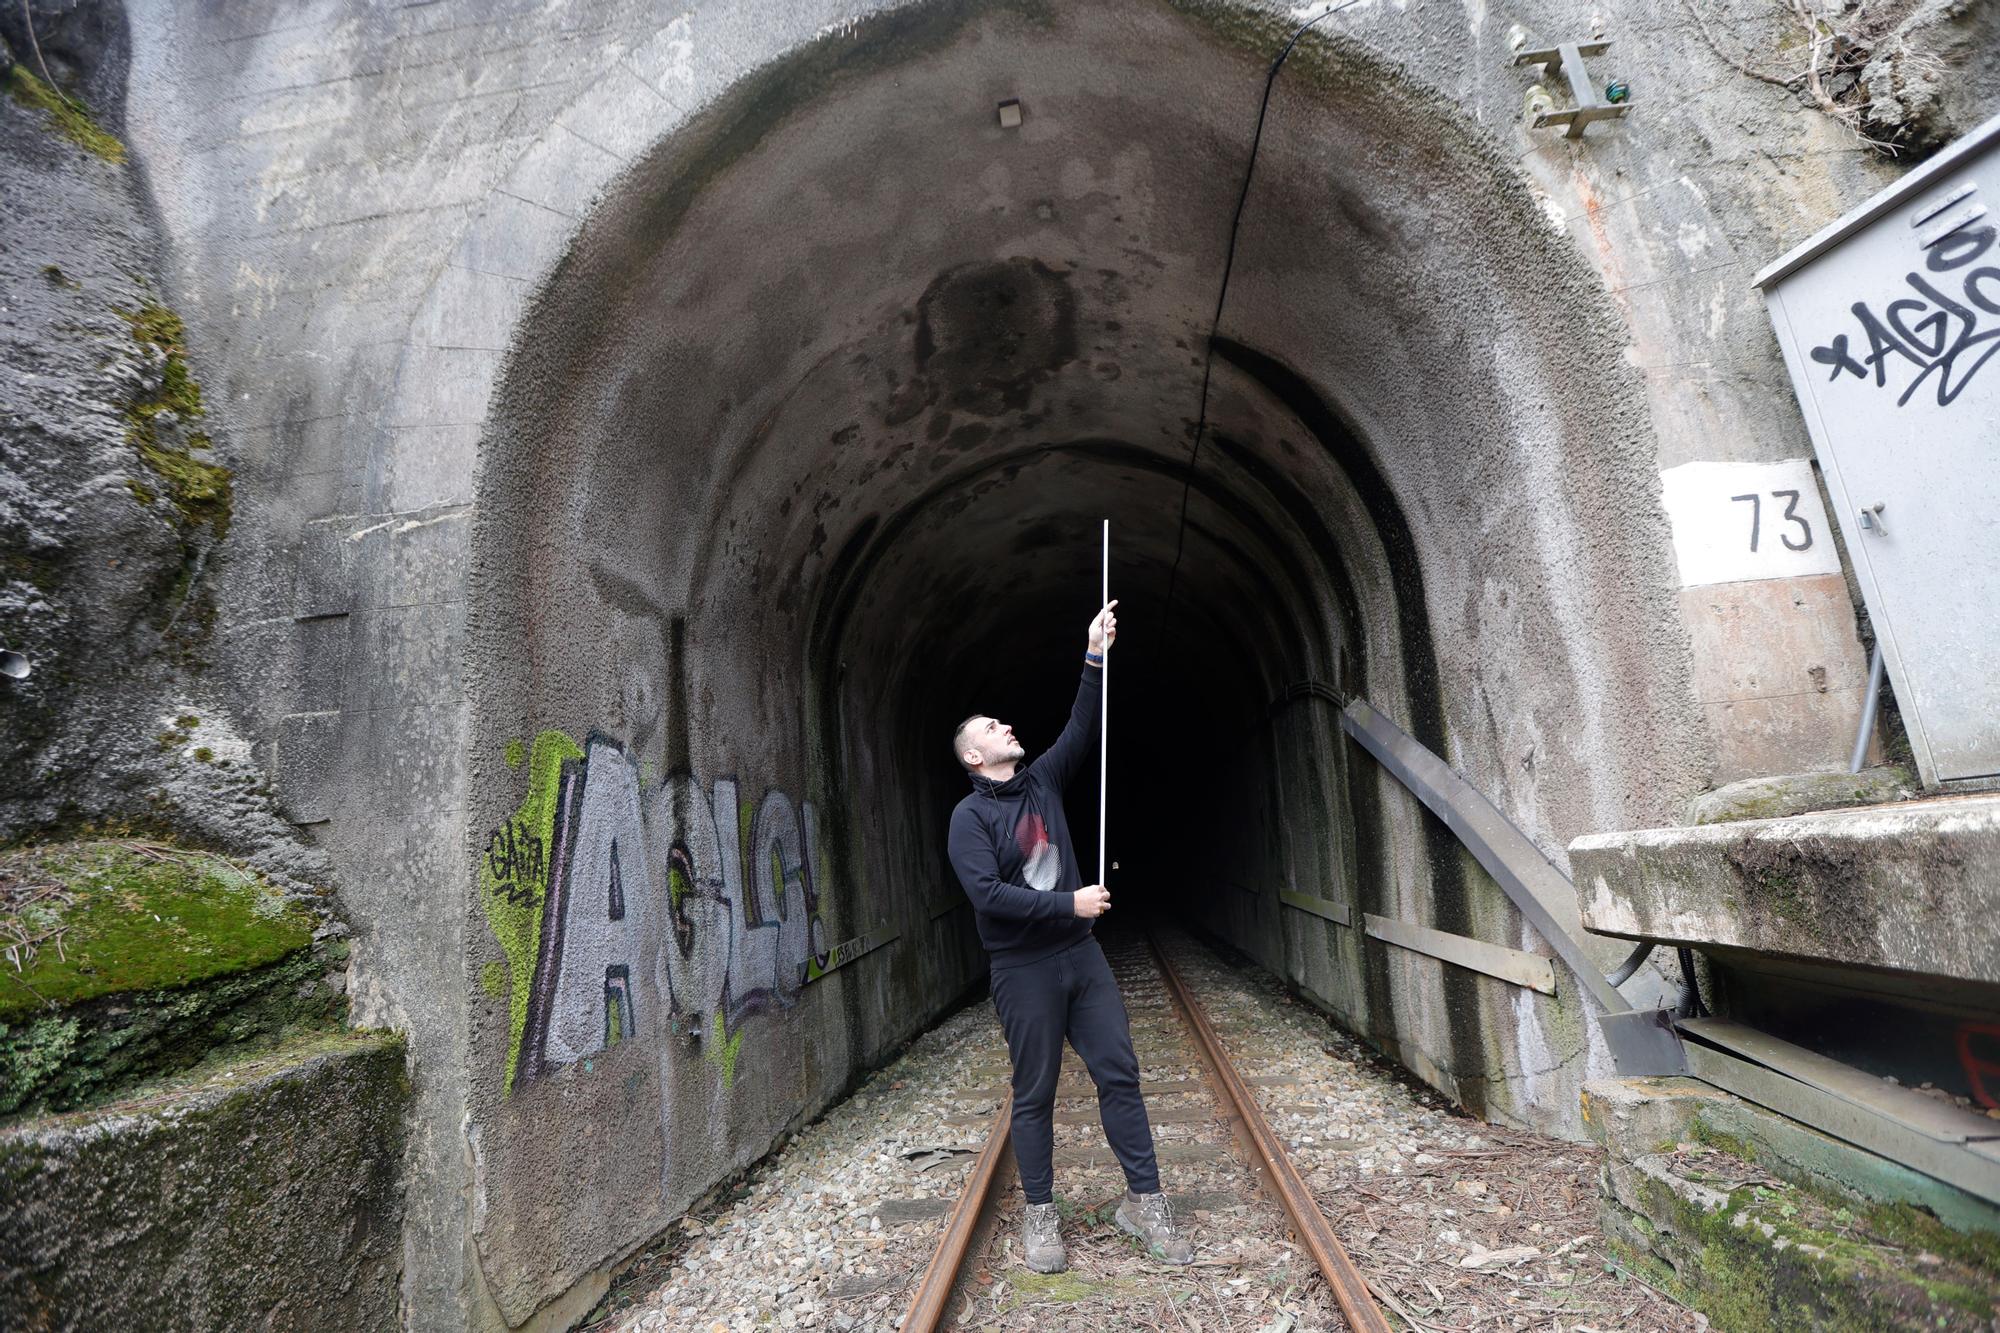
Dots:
{"x": 1462, "y": 1224}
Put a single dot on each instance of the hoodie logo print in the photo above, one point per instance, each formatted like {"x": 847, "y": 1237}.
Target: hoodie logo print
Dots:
{"x": 1042, "y": 866}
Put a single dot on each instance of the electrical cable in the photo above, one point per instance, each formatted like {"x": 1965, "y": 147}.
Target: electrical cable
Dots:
{"x": 1222, "y": 295}
{"x": 1625, "y": 971}
{"x": 28, "y": 18}
{"x": 1690, "y": 1001}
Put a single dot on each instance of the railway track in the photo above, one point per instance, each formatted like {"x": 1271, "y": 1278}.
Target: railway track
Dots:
{"x": 1192, "y": 1090}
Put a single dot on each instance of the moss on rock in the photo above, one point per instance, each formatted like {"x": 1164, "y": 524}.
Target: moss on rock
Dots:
{"x": 201, "y": 490}
{"x": 1756, "y": 1253}
{"x": 67, "y": 116}
{"x": 139, "y": 916}
{"x": 148, "y": 958}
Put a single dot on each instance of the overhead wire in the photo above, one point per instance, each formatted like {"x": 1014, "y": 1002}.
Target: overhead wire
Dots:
{"x": 1222, "y": 296}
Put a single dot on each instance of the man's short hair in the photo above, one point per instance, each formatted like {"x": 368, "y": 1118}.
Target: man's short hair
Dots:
{"x": 958, "y": 740}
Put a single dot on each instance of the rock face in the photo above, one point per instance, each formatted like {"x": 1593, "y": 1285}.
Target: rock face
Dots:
{"x": 266, "y": 1192}
{"x": 116, "y": 496}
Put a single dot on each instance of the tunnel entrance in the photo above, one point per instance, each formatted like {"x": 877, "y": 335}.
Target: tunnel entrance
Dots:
{"x": 800, "y": 458}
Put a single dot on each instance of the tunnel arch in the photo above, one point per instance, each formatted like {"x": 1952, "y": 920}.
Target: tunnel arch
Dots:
{"x": 740, "y": 469}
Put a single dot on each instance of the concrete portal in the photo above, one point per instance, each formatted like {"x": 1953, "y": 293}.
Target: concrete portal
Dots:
{"x": 651, "y": 428}
{"x": 768, "y": 507}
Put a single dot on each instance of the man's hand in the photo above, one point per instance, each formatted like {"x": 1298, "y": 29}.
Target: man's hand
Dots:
{"x": 1093, "y": 900}
{"x": 1104, "y": 629}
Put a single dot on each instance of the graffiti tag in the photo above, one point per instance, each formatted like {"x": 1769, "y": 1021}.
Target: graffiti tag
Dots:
{"x": 1938, "y": 333}
{"x": 626, "y": 908}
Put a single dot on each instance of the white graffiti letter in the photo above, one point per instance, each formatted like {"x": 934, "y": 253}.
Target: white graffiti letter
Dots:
{"x": 607, "y": 936}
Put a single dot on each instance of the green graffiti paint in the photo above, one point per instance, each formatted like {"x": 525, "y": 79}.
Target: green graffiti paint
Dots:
{"x": 516, "y": 752}
{"x": 513, "y": 877}
{"x": 721, "y": 1049}
{"x": 493, "y": 979}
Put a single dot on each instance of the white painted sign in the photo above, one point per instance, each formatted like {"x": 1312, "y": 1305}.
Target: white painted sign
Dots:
{"x": 1734, "y": 522}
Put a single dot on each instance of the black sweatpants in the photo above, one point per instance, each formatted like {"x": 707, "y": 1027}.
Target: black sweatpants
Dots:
{"x": 1072, "y": 994}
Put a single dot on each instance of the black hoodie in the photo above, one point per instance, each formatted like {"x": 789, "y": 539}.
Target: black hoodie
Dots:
{"x": 1010, "y": 846}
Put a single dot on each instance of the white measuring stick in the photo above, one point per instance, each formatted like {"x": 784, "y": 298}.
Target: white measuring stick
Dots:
{"x": 1104, "y": 714}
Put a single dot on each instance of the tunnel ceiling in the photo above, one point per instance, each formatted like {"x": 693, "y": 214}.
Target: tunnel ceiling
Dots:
{"x": 886, "y": 434}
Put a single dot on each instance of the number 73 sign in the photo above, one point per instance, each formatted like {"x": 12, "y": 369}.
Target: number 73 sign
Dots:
{"x": 1739, "y": 521}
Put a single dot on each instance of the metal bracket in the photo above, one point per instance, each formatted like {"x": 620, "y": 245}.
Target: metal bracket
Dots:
{"x": 1589, "y": 103}
{"x": 1643, "y": 1042}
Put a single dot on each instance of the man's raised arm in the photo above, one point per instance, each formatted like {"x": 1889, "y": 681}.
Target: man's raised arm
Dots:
{"x": 1065, "y": 758}
{"x": 978, "y": 868}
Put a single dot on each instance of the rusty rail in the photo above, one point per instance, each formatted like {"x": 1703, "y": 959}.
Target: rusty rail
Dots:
{"x": 927, "y": 1307}
{"x": 1350, "y": 1289}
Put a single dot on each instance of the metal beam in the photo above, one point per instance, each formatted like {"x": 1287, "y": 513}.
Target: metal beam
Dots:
{"x": 1881, "y": 1123}
{"x": 1515, "y": 966}
{"x": 1516, "y": 864}
{"x": 1320, "y": 907}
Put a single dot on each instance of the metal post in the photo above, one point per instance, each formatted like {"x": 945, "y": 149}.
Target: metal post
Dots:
{"x": 1874, "y": 692}
{"x": 1104, "y": 713}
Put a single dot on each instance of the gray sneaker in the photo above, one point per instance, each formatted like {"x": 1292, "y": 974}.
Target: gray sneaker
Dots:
{"x": 1041, "y": 1237}
{"x": 1148, "y": 1217}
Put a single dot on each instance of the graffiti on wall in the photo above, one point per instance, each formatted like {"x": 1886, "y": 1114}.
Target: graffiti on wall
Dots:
{"x": 1931, "y": 331}
{"x": 626, "y": 906}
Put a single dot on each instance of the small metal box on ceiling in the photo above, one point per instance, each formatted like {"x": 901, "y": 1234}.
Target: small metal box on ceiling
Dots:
{"x": 1890, "y": 324}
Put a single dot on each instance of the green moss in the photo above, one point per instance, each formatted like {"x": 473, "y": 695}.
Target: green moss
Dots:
{"x": 1779, "y": 1257}
{"x": 202, "y": 491}
{"x": 1910, "y": 1226}
{"x": 67, "y": 116}
{"x": 1031, "y": 1286}
{"x": 1709, "y": 1136}
{"x": 143, "y": 917}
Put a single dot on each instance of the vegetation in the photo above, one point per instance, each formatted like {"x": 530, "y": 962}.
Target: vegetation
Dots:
{"x": 79, "y": 920}
{"x": 67, "y": 116}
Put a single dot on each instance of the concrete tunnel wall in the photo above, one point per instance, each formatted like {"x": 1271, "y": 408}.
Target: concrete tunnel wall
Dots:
{"x": 691, "y": 316}
{"x": 766, "y": 508}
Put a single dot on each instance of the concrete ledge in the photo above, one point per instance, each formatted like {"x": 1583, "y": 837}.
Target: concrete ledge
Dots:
{"x": 1914, "y": 887}
{"x": 268, "y": 1194}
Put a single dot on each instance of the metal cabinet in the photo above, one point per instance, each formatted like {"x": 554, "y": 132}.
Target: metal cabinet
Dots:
{"x": 1890, "y": 323}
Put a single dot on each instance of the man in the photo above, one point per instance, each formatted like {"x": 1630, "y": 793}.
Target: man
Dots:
{"x": 1010, "y": 846}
